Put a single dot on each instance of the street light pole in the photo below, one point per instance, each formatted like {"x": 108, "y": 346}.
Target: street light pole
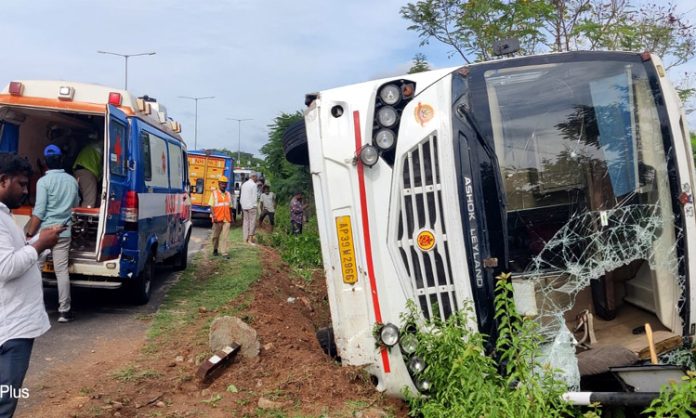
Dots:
{"x": 126, "y": 56}
{"x": 195, "y": 121}
{"x": 239, "y": 137}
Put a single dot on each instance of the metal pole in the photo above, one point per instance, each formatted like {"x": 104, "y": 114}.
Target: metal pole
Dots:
{"x": 126, "y": 56}
{"x": 239, "y": 138}
{"x": 126, "y": 59}
{"x": 195, "y": 127}
{"x": 195, "y": 120}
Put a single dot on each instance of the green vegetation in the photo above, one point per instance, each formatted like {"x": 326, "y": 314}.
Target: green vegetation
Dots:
{"x": 130, "y": 374}
{"x": 209, "y": 286}
{"x": 302, "y": 252}
{"x": 468, "y": 382}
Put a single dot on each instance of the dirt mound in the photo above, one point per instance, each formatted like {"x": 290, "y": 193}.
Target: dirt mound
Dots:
{"x": 292, "y": 376}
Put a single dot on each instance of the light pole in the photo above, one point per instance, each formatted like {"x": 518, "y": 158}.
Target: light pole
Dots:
{"x": 126, "y": 56}
{"x": 195, "y": 123}
{"x": 239, "y": 133}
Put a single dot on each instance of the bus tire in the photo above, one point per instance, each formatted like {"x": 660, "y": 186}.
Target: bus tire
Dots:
{"x": 180, "y": 259}
{"x": 141, "y": 288}
{"x": 325, "y": 336}
{"x": 295, "y": 143}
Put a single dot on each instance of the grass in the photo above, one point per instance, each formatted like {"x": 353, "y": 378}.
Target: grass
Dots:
{"x": 130, "y": 374}
{"x": 208, "y": 284}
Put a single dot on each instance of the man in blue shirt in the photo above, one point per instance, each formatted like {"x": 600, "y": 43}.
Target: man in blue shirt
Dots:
{"x": 56, "y": 196}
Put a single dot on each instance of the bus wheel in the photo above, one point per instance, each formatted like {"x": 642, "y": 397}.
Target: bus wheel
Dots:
{"x": 325, "y": 336}
{"x": 295, "y": 143}
{"x": 181, "y": 258}
{"x": 142, "y": 286}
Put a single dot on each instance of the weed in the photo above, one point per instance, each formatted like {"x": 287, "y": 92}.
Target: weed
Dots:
{"x": 213, "y": 401}
{"x": 131, "y": 374}
{"x": 676, "y": 400}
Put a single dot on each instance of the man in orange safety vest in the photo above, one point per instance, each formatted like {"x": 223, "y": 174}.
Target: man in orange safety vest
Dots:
{"x": 221, "y": 215}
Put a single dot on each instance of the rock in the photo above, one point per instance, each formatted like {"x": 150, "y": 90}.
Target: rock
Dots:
{"x": 265, "y": 403}
{"x": 160, "y": 404}
{"x": 117, "y": 414}
{"x": 268, "y": 347}
{"x": 291, "y": 299}
{"x": 205, "y": 393}
{"x": 117, "y": 405}
{"x": 179, "y": 359}
{"x": 226, "y": 330}
{"x": 306, "y": 303}
{"x": 171, "y": 364}
{"x": 202, "y": 309}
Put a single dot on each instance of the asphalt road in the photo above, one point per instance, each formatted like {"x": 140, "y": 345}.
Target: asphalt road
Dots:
{"x": 100, "y": 315}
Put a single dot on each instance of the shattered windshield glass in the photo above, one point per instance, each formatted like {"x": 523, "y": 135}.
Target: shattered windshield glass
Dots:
{"x": 584, "y": 171}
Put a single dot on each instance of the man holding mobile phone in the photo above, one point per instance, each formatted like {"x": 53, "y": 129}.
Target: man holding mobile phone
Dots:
{"x": 22, "y": 313}
{"x": 56, "y": 195}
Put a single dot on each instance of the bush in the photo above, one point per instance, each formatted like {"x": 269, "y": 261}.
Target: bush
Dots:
{"x": 300, "y": 251}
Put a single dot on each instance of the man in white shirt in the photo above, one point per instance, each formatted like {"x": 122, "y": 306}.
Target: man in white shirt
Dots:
{"x": 22, "y": 312}
{"x": 247, "y": 198}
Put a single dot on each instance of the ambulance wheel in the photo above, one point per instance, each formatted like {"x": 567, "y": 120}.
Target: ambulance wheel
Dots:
{"x": 325, "y": 336}
{"x": 142, "y": 286}
{"x": 295, "y": 143}
{"x": 181, "y": 258}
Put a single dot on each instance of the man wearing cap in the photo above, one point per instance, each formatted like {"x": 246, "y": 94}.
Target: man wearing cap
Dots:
{"x": 56, "y": 195}
{"x": 88, "y": 171}
{"x": 248, "y": 199}
{"x": 221, "y": 214}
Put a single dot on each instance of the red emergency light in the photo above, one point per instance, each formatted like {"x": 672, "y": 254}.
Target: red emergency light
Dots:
{"x": 115, "y": 98}
{"x": 16, "y": 88}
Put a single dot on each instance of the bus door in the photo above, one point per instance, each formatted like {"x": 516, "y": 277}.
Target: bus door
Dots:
{"x": 116, "y": 168}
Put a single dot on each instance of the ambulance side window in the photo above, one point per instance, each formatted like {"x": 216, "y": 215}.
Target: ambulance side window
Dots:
{"x": 145, "y": 156}
{"x": 159, "y": 163}
{"x": 176, "y": 167}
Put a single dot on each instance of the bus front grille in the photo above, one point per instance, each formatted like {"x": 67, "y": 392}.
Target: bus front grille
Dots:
{"x": 422, "y": 235}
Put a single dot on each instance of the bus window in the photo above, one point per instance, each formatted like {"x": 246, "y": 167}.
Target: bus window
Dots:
{"x": 145, "y": 156}
{"x": 158, "y": 163}
{"x": 118, "y": 151}
{"x": 176, "y": 167}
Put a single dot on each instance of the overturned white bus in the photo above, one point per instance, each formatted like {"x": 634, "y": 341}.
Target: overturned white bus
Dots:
{"x": 572, "y": 171}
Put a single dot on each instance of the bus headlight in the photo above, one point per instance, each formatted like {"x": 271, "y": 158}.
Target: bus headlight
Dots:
{"x": 389, "y": 335}
{"x": 390, "y": 94}
{"x": 409, "y": 343}
{"x": 369, "y": 155}
{"x": 423, "y": 385}
{"x": 384, "y": 139}
{"x": 387, "y": 116}
{"x": 416, "y": 365}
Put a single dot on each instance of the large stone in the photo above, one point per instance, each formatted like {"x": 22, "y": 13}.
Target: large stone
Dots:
{"x": 226, "y": 330}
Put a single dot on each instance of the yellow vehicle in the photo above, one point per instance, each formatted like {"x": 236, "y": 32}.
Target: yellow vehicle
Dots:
{"x": 205, "y": 168}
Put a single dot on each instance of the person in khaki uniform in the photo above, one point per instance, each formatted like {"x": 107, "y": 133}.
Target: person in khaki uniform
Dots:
{"x": 221, "y": 215}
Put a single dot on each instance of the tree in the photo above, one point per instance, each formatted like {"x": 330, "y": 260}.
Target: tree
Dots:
{"x": 471, "y": 27}
{"x": 420, "y": 64}
{"x": 285, "y": 178}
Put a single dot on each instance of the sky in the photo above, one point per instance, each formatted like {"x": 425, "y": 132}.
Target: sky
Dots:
{"x": 258, "y": 58}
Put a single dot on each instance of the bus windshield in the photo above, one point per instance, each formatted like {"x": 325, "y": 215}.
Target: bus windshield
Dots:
{"x": 584, "y": 172}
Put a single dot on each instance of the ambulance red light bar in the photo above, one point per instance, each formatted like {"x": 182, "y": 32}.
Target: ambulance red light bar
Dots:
{"x": 115, "y": 98}
{"x": 16, "y": 88}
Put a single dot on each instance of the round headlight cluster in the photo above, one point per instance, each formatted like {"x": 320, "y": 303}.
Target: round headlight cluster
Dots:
{"x": 385, "y": 139}
{"x": 423, "y": 386}
{"x": 389, "y": 335}
{"x": 390, "y": 94}
{"x": 387, "y": 116}
{"x": 416, "y": 365}
{"x": 369, "y": 155}
{"x": 409, "y": 344}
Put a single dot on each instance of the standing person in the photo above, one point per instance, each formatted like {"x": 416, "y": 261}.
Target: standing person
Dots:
{"x": 56, "y": 196}
{"x": 221, "y": 214}
{"x": 22, "y": 313}
{"x": 88, "y": 171}
{"x": 297, "y": 208}
{"x": 247, "y": 198}
{"x": 267, "y": 206}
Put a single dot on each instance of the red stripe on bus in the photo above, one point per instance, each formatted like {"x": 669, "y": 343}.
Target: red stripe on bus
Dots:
{"x": 366, "y": 234}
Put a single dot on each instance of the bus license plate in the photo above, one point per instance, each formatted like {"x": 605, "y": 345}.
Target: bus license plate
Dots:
{"x": 346, "y": 249}
{"x": 48, "y": 267}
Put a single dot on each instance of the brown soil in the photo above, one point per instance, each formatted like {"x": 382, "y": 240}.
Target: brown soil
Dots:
{"x": 292, "y": 370}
